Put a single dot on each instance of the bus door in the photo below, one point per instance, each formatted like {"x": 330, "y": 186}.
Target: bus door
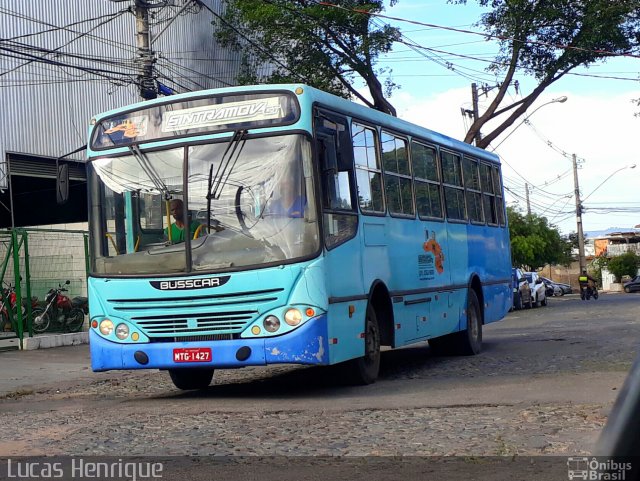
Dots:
{"x": 343, "y": 268}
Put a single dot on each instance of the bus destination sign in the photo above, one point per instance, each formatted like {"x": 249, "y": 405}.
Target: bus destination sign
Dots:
{"x": 211, "y": 115}
{"x": 195, "y": 117}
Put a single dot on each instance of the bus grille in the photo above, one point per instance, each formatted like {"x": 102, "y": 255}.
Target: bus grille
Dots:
{"x": 207, "y": 337}
{"x": 182, "y": 318}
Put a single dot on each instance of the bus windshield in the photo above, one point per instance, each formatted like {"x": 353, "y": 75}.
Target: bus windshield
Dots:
{"x": 246, "y": 203}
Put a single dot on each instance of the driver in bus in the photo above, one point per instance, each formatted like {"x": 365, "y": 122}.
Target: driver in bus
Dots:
{"x": 176, "y": 207}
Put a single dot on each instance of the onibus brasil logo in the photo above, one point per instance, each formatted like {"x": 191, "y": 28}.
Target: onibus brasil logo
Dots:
{"x": 595, "y": 469}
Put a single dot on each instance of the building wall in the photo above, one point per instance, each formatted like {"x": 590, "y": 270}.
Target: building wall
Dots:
{"x": 46, "y": 107}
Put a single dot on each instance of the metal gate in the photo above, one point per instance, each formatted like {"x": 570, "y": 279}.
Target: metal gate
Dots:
{"x": 33, "y": 261}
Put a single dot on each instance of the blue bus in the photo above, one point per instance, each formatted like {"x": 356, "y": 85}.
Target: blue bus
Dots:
{"x": 272, "y": 224}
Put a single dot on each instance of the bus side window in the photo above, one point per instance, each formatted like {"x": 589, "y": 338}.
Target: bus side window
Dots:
{"x": 336, "y": 165}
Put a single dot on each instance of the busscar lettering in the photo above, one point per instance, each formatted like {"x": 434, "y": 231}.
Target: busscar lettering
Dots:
{"x": 183, "y": 284}
{"x": 189, "y": 284}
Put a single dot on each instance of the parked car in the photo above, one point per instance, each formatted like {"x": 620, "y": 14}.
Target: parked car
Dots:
{"x": 538, "y": 289}
{"x": 521, "y": 290}
{"x": 633, "y": 285}
{"x": 550, "y": 289}
{"x": 559, "y": 289}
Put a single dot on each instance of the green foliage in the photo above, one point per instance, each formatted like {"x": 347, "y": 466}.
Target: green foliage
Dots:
{"x": 548, "y": 39}
{"x": 535, "y": 243}
{"x": 303, "y": 41}
{"x": 625, "y": 265}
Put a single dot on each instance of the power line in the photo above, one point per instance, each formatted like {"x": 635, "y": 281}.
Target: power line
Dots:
{"x": 485, "y": 35}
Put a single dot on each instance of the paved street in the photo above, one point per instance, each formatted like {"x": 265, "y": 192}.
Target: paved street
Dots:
{"x": 543, "y": 385}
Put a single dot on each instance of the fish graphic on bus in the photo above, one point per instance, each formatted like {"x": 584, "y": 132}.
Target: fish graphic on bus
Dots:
{"x": 130, "y": 128}
{"x": 431, "y": 245}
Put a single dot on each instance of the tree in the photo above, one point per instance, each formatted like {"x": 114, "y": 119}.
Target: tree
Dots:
{"x": 302, "y": 41}
{"x": 548, "y": 39}
{"x": 535, "y": 243}
{"x": 625, "y": 265}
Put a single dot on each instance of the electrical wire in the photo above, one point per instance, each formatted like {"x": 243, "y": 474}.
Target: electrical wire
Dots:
{"x": 485, "y": 35}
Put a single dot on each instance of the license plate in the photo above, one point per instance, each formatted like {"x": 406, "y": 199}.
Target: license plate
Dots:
{"x": 192, "y": 354}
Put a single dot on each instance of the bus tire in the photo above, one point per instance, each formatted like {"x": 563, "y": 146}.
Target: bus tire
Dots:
{"x": 364, "y": 370}
{"x": 469, "y": 341}
{"x": 191, "y": 378}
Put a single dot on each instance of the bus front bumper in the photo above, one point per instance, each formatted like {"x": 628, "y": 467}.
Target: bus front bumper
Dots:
{"x": 306, "y": 345}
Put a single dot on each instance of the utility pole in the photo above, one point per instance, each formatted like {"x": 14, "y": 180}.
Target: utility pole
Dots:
{"x": 581, "y": 259}
{"x": 146, "y": 57}
{"x": 476, "y": 112}
{"x": 526, "y": 188}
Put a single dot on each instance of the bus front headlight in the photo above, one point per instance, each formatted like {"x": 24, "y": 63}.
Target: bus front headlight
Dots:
{"x": 122, "y": 331}
{"x": 106, "y": 327}
{"x": 293, "y": 317}
{"x": 271, "y": 323}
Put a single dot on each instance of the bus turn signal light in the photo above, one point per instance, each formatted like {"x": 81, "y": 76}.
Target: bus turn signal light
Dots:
{"x": 310, "y": 312}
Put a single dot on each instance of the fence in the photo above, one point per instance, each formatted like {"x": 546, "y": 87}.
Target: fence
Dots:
{"x": 33, "y": 261}
{"x": 619, "y": 249}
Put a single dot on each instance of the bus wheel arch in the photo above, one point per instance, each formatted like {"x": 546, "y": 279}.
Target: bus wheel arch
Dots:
{"x": 378, "y": 330}
{"x": 380, "y": 300}
{"x": 476, "y": 286}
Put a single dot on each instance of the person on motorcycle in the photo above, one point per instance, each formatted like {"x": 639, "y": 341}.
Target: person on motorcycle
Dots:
{"x": 586, "y": 281}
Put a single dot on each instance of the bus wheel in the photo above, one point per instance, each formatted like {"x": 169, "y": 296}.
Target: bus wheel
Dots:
{"x": 469, "y": 341}
{"x": 191, "y": 378}
{"x": 364, "y": 370}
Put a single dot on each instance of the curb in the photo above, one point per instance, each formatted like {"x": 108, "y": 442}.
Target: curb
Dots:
{"x": 56, "y": 340}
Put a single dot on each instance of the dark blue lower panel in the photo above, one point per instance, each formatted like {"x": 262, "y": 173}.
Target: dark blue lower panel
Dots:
{"x": 306, "y": 345}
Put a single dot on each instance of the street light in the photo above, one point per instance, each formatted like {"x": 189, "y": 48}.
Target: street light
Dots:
{"x": 581, "y": 257}
{"x": 559, "y": 100}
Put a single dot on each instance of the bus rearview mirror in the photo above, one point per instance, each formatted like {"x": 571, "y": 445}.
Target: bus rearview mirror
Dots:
{"x": 62, "y": 183}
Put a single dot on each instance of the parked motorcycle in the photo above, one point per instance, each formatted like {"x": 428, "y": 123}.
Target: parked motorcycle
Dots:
{"x": 81, "y": 303}
{"x": 60, "y": 310}
{"x": 8, "y": 298}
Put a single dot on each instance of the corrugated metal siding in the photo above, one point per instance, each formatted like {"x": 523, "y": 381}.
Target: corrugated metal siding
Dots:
{"x": 45, "y": 109}
{"x": 44, "y": 167}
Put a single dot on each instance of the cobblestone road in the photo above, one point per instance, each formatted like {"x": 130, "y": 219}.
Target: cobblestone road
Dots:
{"x": 543, "y": 385}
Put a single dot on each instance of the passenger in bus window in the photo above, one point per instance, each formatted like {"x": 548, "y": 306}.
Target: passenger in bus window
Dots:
{"x": 176, "y": 207}
{"x": 289, "y": 203}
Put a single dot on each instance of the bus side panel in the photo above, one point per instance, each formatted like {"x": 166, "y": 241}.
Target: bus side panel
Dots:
{"x": 486, "y": 259}
{"x": 459, "y": 264}
{"x": 343, "y": 270}
{"x": 419, "y": 262}
{"x": 346, "y": 338}
{"x": 497, "y": 300}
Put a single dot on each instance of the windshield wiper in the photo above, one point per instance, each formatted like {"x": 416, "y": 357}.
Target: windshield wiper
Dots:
{"x": 227, "y": 163}
{"x": 148, "y": 169}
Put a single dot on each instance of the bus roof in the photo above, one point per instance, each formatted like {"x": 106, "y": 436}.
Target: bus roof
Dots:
{"x": 327, "y": 100}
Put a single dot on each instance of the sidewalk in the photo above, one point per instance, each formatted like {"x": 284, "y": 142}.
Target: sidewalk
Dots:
{"x": 32, "y": 370}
